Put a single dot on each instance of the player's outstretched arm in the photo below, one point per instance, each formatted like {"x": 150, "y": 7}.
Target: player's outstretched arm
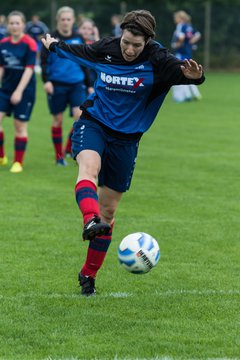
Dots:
{"x": 48, "y": 41}
{"x": 191, "y": 69}
{"x": 82, "y": 54}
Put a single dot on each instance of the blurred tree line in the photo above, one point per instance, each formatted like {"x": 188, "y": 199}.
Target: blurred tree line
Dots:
{"x": 217, "y": 20}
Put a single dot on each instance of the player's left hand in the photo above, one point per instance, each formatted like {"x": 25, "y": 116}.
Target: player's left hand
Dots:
{"x": 191, "y": 69}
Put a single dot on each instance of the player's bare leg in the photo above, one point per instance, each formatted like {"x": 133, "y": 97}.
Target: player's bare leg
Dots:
{"x": 3, "y": 157}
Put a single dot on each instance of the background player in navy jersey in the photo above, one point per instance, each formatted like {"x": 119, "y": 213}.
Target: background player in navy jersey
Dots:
{"x": 135, "y": 74}
{"x": 65, "y": 83}
{"x": 3, "y": 26}
{"x": 17, "y": 93}
{"x": 36, "y": 29}
{"x": 116, "y": 23}
{"x": 184, "y": 38}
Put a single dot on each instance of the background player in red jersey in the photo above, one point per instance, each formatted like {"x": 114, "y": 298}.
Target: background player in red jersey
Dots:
{"x": 17, "y": 93}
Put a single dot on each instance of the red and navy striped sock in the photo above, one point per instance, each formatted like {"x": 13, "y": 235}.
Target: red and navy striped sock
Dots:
{"x": 20, "y": 144}
{"x": 2, "y": 154}
{"x": 97, "y": 251}
{"x": 68, "y": 147}
{"x": 57, "y": 141}
{"x": 87, "y": 199}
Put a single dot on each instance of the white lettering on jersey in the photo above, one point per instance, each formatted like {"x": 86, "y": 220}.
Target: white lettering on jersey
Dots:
{"x": 122, "y": 80}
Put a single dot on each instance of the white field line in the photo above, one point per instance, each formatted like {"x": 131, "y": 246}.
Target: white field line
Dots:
{"x": 128, "y": 358}
{"x": 156, "y": 358}
{"x": 168, "y": 293}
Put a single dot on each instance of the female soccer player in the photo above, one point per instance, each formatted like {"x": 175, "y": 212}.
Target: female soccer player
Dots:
{"x": 17, "y": 93}
{"x": 184, "y": 39}
{"x": 89, "y": 31}
{"x": 64, "y": 82}
{"x": 134, "y": 75}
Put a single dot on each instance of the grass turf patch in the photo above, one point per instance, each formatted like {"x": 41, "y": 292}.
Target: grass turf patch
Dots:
{"x": 185, "y": 193}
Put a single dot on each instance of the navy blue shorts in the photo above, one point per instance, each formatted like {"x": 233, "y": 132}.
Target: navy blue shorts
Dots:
{"x": 73, "y": 95}
{"x": 22, "y": 111}
{"x": 39, "y": 45}
{"x": 118, "y": 156}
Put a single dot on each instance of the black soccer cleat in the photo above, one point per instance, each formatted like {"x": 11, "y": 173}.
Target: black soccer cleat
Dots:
{"x": 95, "y": 227}
{"x": 87, "y": 284}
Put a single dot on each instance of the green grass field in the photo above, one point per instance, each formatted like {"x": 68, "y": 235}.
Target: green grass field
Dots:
{"x": 185, "y": 192}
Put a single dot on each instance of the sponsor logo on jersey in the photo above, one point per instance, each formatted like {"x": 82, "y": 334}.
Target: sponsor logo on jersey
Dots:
{"x": 9, "y": 58}
{"x": 133, "y": 82}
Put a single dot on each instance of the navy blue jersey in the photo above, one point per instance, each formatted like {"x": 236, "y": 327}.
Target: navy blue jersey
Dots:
{"x": 185, "y": 50}
{"x": 36, "y": 29}
{"x": 127, "y": 95}
{"x": 58, "y": 71}
{"x": 3, "y": 31}
{"x": 15, "y": 57}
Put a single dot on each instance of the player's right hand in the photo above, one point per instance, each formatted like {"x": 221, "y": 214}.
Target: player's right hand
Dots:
{"x": 48, "y": 41}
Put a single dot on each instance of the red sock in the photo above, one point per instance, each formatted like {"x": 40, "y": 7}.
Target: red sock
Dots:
{"x": 57, "y": 141}
{"x": 87, "y": 199}
{"x": 2, "y": 154}
{"x": 20, "y": 144}
{"x": 97, "y": 251}
{"x": 68, "y": 147}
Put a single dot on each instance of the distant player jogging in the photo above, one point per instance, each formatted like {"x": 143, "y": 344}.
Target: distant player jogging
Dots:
{"x": 65, "y": 83}
{"x": 134, "y": 75}
{"x": 17, "y": 93}
{"x": 184, "y": 39}
{"x": 36, "y": 29}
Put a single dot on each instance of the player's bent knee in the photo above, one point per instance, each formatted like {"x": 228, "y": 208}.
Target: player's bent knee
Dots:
{"x": 88, "y": 171}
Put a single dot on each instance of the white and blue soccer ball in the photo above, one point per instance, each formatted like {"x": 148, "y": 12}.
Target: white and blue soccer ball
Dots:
{"x": 138, "y": 253}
